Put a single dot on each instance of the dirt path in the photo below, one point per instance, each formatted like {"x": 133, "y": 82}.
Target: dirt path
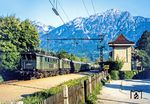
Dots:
{"x": 118, "y": 92}
{"x": 14, "y": 91}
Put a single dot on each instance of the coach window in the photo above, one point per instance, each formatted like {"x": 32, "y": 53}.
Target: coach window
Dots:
{"x": 45, "y": 59}
{"x": 50, "y": 60}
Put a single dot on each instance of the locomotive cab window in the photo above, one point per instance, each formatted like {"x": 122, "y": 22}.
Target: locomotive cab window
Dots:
{"x": 23, "y": 56}
{"x": 30, "y": 56}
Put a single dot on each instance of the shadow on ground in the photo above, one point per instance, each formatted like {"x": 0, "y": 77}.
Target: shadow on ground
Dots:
{"x": 117, "y": 101}
{"x": 144, "y": 87}
{"x": 7, "y": 75}
{"x": 89, "y": 72}
{"x": 145, "y": 74}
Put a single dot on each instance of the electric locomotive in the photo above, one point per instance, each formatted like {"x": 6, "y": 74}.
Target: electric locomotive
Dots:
{"x": 39, "y": 65}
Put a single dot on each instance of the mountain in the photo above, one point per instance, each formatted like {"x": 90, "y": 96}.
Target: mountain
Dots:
{"x": 43, "y": 31}
{"x": 110, "y": 24}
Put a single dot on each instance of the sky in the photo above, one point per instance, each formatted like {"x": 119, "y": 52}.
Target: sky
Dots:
{"x": 41, "y": 10}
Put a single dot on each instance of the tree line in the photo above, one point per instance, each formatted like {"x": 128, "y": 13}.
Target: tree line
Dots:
{"x": 143, "y": 49}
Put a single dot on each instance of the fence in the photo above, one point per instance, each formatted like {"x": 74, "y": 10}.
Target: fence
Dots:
{"x": 77, "y": 94}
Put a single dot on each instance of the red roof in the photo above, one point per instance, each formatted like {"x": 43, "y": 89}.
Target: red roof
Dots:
{"x": 121, "y": 39}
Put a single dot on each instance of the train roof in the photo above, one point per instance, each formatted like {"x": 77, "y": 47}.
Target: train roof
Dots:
{"x": 66, "y": 59}
{"x": 40, "y": 54}
{"x": 79, "y": 62}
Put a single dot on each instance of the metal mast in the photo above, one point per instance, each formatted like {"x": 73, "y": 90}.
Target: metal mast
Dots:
{"x": 101, "y": 47}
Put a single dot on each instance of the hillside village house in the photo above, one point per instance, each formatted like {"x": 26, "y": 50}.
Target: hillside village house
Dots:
{"x": 122, "y": 48}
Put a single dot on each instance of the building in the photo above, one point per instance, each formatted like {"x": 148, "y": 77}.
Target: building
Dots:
{"x": 122, "y": 50}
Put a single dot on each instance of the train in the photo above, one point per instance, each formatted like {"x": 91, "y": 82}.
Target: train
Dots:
{"x": 39, "y": 65}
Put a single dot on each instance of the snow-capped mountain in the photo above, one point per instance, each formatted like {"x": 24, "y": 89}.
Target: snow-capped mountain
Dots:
{"x": 43, "y": 30}
{"x": 110, "y": 24}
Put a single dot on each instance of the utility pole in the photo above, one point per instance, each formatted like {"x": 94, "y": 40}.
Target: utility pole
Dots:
{"x": 47, "y": 42}
{"x": 101, "y": 50}
{"x": 101, "y": 47}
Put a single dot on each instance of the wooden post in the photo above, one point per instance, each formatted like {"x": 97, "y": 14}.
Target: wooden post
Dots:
{"x": 83, "y": 91}
{"x": 100, "y": 75}
{"x": 95, "y": 82}
{"x": 20, "y": 102}
{"x": 45, "y": 101}
{"x": 90, "y": 84}
{"x": 65, "y": 94}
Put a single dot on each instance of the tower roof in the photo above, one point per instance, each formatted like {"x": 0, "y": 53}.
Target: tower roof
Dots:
{"x": 121, "y": 39}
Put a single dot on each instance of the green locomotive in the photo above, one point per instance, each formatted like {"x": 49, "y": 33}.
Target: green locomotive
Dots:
{"x": 38, "y": 65}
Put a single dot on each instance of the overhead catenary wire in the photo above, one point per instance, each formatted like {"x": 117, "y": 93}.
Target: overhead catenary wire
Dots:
{"x": 51, "y": 4}
{"x": 56, "y": 12}
{"x": 63, "y": 11}
{"x": 85, "y": 7}
{"x": 101, "y": 38}
{"x": 93, "y": 6}
{"x": 75, "y": 39}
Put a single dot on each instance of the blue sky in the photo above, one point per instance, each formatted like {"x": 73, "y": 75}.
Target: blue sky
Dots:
{"x": 40, "y": 10}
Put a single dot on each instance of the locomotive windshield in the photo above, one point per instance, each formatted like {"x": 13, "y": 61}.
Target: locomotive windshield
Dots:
{"x": 28, "y": 56}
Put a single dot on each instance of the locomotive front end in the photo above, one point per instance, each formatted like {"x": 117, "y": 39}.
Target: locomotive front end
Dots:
{"x": 28, "y": 61}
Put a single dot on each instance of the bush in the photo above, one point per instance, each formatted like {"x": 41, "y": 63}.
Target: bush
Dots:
{"x": 130, "y": 74}
{"x": 93, "y": 96}
{"x": 119, "y": 64}
{"x": 1, "y": 79}
{"x": 114, "y": 75}
{"x": 114, "y": 65}
{"x": 32, "y": 100}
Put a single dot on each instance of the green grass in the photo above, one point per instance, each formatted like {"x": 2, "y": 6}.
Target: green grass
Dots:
{"x": 74, "y": 82}
{"x": 40, "y": 96}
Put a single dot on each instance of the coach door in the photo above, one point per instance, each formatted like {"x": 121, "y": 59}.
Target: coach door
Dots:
{"x": 41, "y": 62}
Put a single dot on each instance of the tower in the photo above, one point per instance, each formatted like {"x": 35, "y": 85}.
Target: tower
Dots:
{"x": 122, "y": 50}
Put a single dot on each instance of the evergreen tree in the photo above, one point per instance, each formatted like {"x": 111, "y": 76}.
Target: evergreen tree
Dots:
{"x": 143, "y": 46}
{"x": 144, "y": 42}
{"x": 144, "y": 58}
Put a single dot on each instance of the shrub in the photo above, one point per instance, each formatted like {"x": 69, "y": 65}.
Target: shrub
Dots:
{"x": 119, "y": 64}
{"x": 93, "y": 96}
{"x": 114, "y": 65}
{"x": 114, "y": 74}
{"x": 1, "y": 79}
{"x": 130, "y": 74}
{"x": 32, "y": 100}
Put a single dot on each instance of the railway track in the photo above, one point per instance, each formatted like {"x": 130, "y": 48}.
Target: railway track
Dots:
{"x": 7, "y": 82}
